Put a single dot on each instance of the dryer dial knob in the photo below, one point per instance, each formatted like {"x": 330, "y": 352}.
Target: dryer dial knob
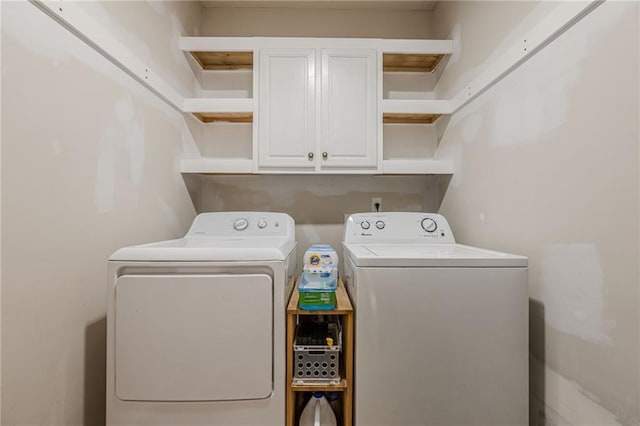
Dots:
{"x": 240, "y": 224}
{"x": 262, "y": 224}
{"x": 380, "y": 224}
{"x": 429, "y": 225}
{"x": 365, "y": 225}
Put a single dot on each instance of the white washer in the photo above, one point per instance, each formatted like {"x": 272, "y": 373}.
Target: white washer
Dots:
{"x": 196, "y": 326}
{"x": 441, "y": 328}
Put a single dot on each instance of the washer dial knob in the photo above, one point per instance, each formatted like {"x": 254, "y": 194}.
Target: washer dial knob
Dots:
{"x": 429, "y": 225}
{"x": 365, "y": 225}
{"x": 240, "y": 224}
{"x": 262, "y": 224}
{"x": 380, "y": 224}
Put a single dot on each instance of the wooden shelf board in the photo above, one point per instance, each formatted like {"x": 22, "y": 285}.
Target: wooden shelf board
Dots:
{"x": 231, "y": 117}
{"x": 392, "y": 118}
{"x": 319, "y": 387}
{"x": 343, "y": 304}
{"x": 216, "y": 61}
{"x": 410, "y": 62}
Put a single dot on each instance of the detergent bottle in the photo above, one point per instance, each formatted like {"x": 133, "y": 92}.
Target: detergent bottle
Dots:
{"x": 318, "y": 412}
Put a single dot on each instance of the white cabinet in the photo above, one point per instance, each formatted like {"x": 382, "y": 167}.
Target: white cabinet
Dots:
{"x": 317, "y": 105}
{"x": 317, "y": 110}
{"x": 287, "y": 109}
{"x": 349, "y": 101}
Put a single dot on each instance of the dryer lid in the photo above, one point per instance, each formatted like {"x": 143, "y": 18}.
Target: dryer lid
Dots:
{"x": 223, "y": 236}
{"x": 208, "y": 249}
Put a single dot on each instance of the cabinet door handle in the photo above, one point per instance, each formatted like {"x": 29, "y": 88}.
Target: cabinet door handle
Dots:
{"x": 310, "y": 155}
{"x": 325, "y": 155}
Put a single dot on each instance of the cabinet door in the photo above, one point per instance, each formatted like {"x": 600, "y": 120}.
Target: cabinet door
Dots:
{"x": 287, "y": 115}
{"x": 349, "y": 109}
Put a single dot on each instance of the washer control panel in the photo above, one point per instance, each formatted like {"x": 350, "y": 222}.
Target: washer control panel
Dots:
{"x": 242, "y": 225}
{"x": 398, "y": 227}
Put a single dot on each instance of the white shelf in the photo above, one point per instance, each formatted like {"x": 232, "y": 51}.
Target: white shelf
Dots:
{"x": 217, "y": 105}
{"x": 208, "y": 110}
{"x": 413, "y": 166}
{"x": 414, "y": 111}
{"x": 245, "y": 166}
{"x": 216, "y": 165}
{"x": 416, "y": 106}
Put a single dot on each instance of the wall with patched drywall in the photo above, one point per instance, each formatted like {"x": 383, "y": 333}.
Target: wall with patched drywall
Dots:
{"x": 319, "y": 204}
{"x": 547, "y": 166}
{"x": 152, "y": 29}
{"x": 89, "y": 164}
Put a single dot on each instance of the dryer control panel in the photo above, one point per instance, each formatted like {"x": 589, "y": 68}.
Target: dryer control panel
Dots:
{"x": 242, "y": 224}
{"x": 398, "y": 227}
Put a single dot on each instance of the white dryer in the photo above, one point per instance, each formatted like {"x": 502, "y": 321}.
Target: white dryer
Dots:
{"x": 196, "y": 326}
{"x": 441, "y": 334}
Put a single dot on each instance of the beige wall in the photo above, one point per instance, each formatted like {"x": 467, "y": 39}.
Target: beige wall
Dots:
{"x": 318, "y": 204}
{"x": 547, "y": 166}
{"x": 89, "y": 165}
{"x": 476, "y": 44}
{"x": 152, "y": 29}
{"x": 314, "y": 22}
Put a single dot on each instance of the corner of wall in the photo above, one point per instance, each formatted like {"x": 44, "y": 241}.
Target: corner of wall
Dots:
{"x": 0, "y": 238}
{"x": 638, "y": 97}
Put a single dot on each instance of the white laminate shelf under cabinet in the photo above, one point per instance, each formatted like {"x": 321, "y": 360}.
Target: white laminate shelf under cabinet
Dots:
{"x": 216, "y": 166}
{"x": 210, "y": 110}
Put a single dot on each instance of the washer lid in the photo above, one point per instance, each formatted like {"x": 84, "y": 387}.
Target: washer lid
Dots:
{"x": 429, "y": 255}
